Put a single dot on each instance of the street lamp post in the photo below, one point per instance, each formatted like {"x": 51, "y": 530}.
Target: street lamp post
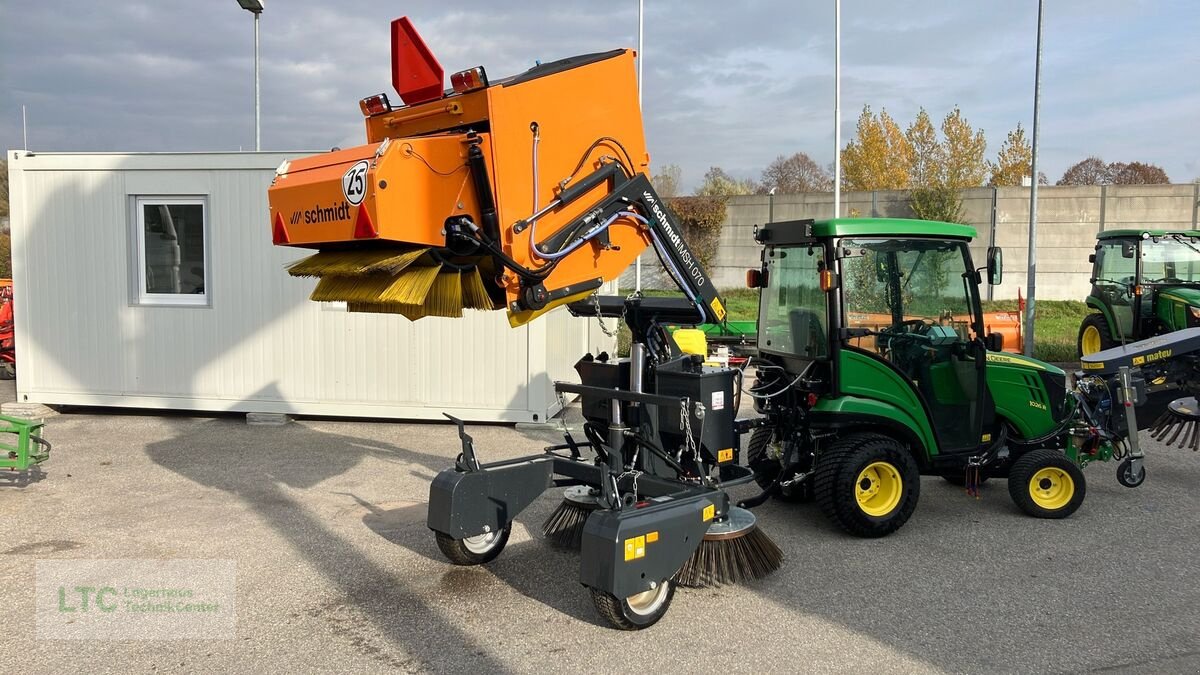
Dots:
{"x": 255, "y": 7}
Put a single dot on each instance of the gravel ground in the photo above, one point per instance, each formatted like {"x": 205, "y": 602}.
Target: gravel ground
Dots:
{"x": 336, "y": 571}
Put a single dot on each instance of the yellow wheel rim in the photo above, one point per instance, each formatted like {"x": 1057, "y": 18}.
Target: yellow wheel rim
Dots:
{"x": 878, "y": 489}
{"x": 1051, "y": 488}
{"x": 1090, "y": 342}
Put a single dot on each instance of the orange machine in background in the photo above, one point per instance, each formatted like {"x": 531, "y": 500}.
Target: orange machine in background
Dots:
{"x": 505, "y": 159}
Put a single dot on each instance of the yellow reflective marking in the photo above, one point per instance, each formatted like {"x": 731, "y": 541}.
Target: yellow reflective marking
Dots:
{"x": 1098, "y": 365}
{"x": 710, "y": 512}
{"x": 651, "y": 537}
{"x": 725, "y": 455}
{"x": 635, "y": 548}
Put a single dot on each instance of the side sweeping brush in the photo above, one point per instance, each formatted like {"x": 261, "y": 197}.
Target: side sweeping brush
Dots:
{"x": 1180, "y": 423}
{"x": 733, "y": 550}
{"x": 564, "y": 527}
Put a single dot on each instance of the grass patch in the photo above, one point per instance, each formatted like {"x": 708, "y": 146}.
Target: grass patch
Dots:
{"x": 1057, "y": 321}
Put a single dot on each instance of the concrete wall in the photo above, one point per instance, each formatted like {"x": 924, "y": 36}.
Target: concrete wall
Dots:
{"x": 1068, "y": 220}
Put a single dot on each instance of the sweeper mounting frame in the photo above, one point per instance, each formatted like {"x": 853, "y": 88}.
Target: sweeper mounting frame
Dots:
{"x": 647, "y": 527}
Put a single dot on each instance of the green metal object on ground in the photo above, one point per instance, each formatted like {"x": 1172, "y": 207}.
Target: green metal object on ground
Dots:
{"x": 21, "y": 445}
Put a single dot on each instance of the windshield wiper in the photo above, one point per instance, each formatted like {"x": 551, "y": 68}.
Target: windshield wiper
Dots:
{"x": 1181, "y": 239}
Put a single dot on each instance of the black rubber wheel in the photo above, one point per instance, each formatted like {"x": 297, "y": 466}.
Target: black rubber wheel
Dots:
{"x": 473, "y": 550}
{"x": 1101, "y": 337}
{"x": 766, "y": 468}
{"x": 960, "y": 480}
{"x": 637, "y": 611}
{"x": 867, "y": 483}
{"x": 1125, "y": 474}
{"x": 1046, "y": 484}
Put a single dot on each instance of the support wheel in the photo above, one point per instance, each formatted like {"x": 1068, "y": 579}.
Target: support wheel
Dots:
{"x": 762, "y": 458}
{"x": 1046, "y": 484}
{"x": 473, "y": 550}
{"x": 1126, "y": 477}
{"x": 867, "y": 483}
{"x": 1095, "y": 335}
{"x": 636, "y": 612}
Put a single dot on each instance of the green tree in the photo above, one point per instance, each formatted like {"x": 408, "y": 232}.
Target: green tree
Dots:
{"x": 1013, "y": 161}
{"x": 879, "y": 157}
{"x": 718, "y": 183}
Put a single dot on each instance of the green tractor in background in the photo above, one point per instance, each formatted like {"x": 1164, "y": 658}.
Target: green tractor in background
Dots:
{"x": 1144, "y": 283}
{"x": 874, "y": 369}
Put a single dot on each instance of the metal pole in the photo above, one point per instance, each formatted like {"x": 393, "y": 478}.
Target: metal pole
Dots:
{"x": 24, "y": 129}
{"x": 837, "y": 108}
{"x": 257, "y": 125}
{"x": 1033, "y": 190}
{"x": 637, "y": 264}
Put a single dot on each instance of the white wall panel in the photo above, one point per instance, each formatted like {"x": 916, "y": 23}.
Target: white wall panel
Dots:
{"x": 261, "y": 345}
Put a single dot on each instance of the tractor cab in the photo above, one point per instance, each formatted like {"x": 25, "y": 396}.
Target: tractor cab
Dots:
{"x": 874, "y": 309}
{"x": 1144, "y": 283}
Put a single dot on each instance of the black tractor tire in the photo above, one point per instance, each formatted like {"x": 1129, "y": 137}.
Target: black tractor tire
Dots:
{"x": 1046, "y": 484}
{"x": 1099, "y": 323}
{"x": 766, "y": 469}
{"x": 473, "y": 550}
{"x": 635, "y": 612}
{"x": 867, "y": 483}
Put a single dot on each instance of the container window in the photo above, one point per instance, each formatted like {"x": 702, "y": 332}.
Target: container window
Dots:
{"x": 172, "y": 242}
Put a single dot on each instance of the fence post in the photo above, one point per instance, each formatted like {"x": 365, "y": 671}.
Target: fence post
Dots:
{"x": 1103, "y": 201}
{"x": 1195, "y": 202}
{"x": 875, "y": 208}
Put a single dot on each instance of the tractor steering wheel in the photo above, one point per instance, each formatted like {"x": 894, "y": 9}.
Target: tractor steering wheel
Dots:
{"x": 919, "y": 329}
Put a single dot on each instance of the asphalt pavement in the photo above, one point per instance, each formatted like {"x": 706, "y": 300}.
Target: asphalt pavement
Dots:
{"x": 336, "y": 571}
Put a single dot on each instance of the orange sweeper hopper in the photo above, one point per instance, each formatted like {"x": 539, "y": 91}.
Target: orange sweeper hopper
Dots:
{"x": 493, "y": 157}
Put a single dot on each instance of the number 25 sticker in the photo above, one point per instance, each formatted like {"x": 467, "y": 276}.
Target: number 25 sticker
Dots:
{"x": 354, "y": 183}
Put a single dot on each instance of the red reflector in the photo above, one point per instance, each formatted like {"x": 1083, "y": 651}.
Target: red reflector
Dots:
{"x": 279, "y": 233}
{"x": 469, "y": 80}
{"x": 416, "y": 74}
{"x": 374, "y": 105}
{"x": 363, "y": 227}
{"x": 811, "y": 399}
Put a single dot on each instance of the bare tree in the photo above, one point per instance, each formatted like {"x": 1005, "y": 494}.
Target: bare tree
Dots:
{"x": 666, "y": 181}
{"x": 795, "y": 174}
{"x": 1137, "y": 173}
{"x": 1090, "y": 171}
{"x": 718, "y": 183}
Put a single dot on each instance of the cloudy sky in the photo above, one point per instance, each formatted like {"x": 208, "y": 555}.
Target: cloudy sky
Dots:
{"x": 726, "y": 83}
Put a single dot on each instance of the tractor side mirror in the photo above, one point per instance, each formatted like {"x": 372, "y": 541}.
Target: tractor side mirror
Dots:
{"x": 1092, "y": 258}
{"x": 994, "y": 342}
{"x": 995, "y": 265}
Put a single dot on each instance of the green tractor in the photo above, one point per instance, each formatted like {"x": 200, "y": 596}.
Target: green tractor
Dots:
{"x": 874, "y": 369}
{"x": 1144, "y": 283}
